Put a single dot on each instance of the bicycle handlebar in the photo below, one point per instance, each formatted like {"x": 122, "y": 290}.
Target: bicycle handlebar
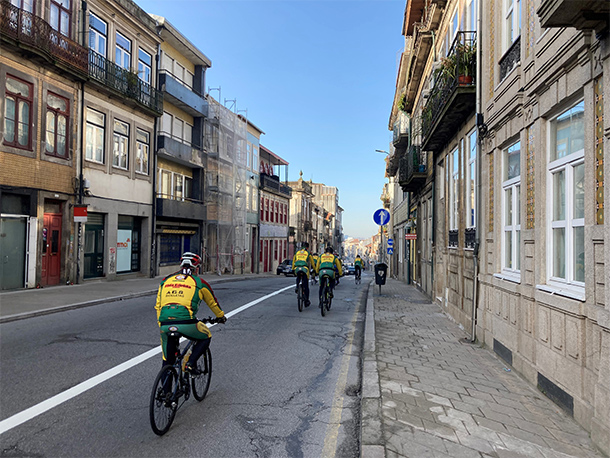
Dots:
{"x": 211, "y": 320}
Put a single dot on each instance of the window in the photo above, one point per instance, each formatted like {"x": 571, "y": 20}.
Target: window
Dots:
{"x": 178, "y": 128}
{"x": 167, "y": 63}
{"x": 122, "y": 56}
{"x": 174, "y": 185}
{"x": 454, "y": 193}
{"x": 97, "y": 35}
{"x": 566, "y": 187}
{"x": 57, "y": 125}
{"x": 511, "y": 209}
{"x": 94, "y": 150}
{"x": 469, "y": 20}
{"x": 144, "y": 65}
{"x": 512, "y": 22}
{"x": 26, "y": 5}
{"x": 18, "y": 113}
{"x": 471, "y": 180}
{"x": 120, "y": 156}
{"x": 142, "y": 151}
{"x": 61, "y": 16}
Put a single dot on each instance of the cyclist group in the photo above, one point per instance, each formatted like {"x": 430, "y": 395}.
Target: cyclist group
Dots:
{"x": 327, "y": 264}
{"x": 181, "y": 293}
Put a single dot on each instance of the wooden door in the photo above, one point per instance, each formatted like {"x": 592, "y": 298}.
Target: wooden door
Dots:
{"x": 51, "y": 249}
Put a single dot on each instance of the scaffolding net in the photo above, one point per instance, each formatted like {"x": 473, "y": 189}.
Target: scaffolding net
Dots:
{"x": 225, "y": 190}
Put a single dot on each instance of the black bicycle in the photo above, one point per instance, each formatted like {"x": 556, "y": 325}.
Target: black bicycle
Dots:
{"x": 300, "y": 293}
{"x": 172, "y": 387}
{"x": 358, "y": 276}
{"x": 326, "y": 298}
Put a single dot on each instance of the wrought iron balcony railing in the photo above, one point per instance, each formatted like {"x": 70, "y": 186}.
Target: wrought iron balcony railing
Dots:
{"x": 271, "y": 183}
{"x": 413, "y": 169}
{"x": 125, "y": 83}
{"x": 453, "y": 95}
{"x": 400, "y": 134}
{"x": 32, "y": 31}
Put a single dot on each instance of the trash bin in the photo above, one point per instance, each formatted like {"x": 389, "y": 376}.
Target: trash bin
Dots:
{"x": 381, "y": 270}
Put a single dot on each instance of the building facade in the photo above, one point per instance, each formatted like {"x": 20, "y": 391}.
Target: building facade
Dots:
{"x": 485, "y": 91}
{"x": 274, "y": 211}
{"x": 180, "y": 161}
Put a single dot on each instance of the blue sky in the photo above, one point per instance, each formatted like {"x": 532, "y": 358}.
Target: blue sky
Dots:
{"x": 318, "y": 77}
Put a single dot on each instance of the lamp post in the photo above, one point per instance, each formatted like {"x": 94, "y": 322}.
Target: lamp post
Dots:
{"x": 381, "y": 151}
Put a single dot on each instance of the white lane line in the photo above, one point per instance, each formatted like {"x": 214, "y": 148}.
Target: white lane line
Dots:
{"x": 40, "y": 408}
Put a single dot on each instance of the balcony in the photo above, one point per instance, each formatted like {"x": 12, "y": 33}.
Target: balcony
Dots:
{"x": 583, "y": 15}
{"x": 453, "y": 97}
{"x": 178, "y": 151}
{"x": 182, "y": 96}
{"x": 125, "y": 84}
{"x": 413, "y": 169}
{"x": 400, "y": 135}
{"x": 272, "y": 183}
{"x": 33, "y": 34}
{"x": 182, "y": 209}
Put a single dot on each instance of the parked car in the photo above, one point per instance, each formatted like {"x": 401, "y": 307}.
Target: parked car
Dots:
{"x": 285, "y": 267}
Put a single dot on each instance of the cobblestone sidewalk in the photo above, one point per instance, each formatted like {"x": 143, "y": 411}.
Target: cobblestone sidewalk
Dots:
{"x": 428, "y": 393}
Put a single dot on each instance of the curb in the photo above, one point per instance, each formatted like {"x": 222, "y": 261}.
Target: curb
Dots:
{"x": 371, "y": 436}
{"x": 65, "y": 308}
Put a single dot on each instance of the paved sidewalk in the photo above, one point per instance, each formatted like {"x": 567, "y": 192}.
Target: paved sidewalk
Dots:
{"x": 428, "y": 393}
{"x": 15, "y": 305}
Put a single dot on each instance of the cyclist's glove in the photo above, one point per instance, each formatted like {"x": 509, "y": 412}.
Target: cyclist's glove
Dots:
{"x": 222, "y": 319}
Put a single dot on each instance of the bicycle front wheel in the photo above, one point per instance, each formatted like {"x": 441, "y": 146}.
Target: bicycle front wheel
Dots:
{"x": 201, "y": 382}
{"x": 163, "y": 402}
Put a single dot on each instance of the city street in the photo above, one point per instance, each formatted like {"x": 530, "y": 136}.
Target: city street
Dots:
{"x": 284, "y": 383}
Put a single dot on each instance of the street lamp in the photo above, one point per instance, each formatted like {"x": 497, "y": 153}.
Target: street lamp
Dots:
{"x": 381, "y": 151}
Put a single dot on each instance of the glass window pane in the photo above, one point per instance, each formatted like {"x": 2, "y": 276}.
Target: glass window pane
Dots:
{"x": 178, "y": 187}
{"x": 518, "y": 251}
{"x": 145, "y": 57}
{"x": 579, "y": 191}
{"x": 54, "y": 19}
{"x": 559, "y": 253}
{"x": 568, "y": 132}
{"x": 508, "y": 249}
{"x": 123, "y": 42}
{"x": 50, "y": 137}
{"x": 559, "y": 197}
{"x": 97, "y": 24}
{"x": 24, "y": 127}
{"x": 17, "y": 87}
{"x": 513, "y": 161}
{"x": 508, "y": 204}
{"x": 579, "y": 254}
{"x": 517, "y": 205}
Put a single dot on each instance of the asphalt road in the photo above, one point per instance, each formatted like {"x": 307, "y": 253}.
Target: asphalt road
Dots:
{"x": 284, "y": 384}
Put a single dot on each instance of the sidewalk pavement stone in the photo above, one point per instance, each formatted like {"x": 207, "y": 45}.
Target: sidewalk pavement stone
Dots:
{"x": 438, "y": 395}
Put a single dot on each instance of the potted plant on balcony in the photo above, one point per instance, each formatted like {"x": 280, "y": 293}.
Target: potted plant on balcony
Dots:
{"x": 466, "y": 59}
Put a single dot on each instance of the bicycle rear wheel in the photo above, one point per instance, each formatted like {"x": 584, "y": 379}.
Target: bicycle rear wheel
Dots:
{"x": 324, "y": 297}
{"x": 201, "y": 382}
{"x": 300, "y": 299}
{"x": 163, "y": 401}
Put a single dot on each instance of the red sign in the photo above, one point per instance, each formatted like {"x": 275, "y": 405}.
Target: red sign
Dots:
{"x": 410, "y": 236}
{"x": 80, "y": 213}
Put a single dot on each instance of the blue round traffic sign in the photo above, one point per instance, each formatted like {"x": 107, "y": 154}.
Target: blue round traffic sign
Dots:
{"x": 381, "y": 217}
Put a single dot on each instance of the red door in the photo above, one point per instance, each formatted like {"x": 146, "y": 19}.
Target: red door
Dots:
{"x": 51, "y": 249}
{"x": 266, "y": 257}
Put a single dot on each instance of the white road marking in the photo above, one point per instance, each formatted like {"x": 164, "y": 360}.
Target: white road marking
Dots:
{"x": 40, "y": 408}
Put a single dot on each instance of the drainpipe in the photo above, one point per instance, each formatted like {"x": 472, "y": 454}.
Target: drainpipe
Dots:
{"x": 479, "y": 118}
{"x": 81, "y": 155}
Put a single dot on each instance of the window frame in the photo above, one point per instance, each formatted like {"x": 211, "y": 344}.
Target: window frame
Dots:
{"x": 471, "y": 180}
{"x": 142, "y": 149}
{"x": 58, "y": 4}
{"x": 102, "y": 127}
{"x": 143, "y": 66}
{"x": 29, "y": 101}
{"x": 119, "y": 49}
{"x": 566, "y": 164}
{"x": 57, "y": 113}
{"x": 512, "y": 185}
{"x": 120, "y": 138}
{"x": 509, "y": 36}
{"x": 454, "y": 189}
{"x": 98, "y": 33}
